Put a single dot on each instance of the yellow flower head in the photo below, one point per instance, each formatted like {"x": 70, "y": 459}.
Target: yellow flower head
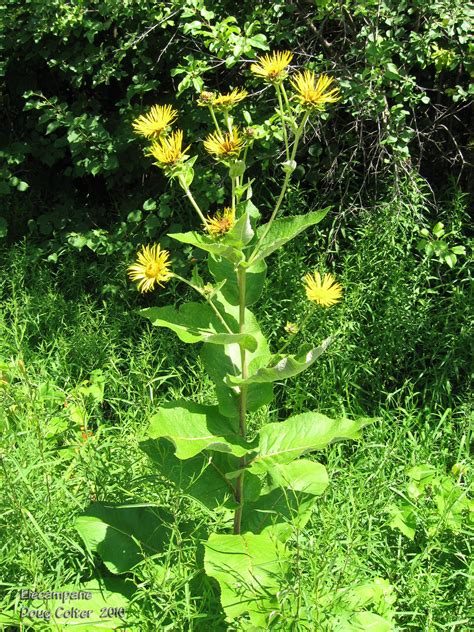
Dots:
{"x": 168, "y": 150}
{"x": 325, "y": 291}
{"x": 152, "y": 266}
{"x": 221, "y": 223}
{"x": 226, "y": 101}
{"x": 206, "y": 98}
{"x": 224, "y": 145}
{"x": 291, "y": 328}
{"x": 312, "y": 92}
{"x": 272, "y": 67}
{"x": 155, "y": 122}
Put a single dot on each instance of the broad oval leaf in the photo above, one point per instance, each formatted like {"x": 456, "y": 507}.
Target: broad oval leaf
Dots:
{"x": 283, "y": 230}
{"x": 124, "y": 535}
{"x": 301, "y": 475}
{"x": 278, "y": 512}
{"x": 222, "y": 270}
{"x": 223, "y": 360}
{"x": 203, "y": 477}
{"x": 241, "y": 233}
{"x": 249, "y": 569}
{"x": 193, "y": 428}
{"x": 196, "y": 322}
{"x": 285, "y": 441}
{"x": 282, "y": 367}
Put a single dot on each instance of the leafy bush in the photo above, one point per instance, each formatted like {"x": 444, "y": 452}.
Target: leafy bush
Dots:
{"x": 75, "y": 76}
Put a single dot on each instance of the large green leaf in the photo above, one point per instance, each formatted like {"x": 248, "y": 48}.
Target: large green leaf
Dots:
{"x": 285, "y": 441}
{"x": 219, "y": 248}
{"x": 193, "y": 427}
{"x": 301, "y": 475}
{"x": 202, "y": 477}
{"x": 250, "y": 569}
{"x": 109, "y": 595}
{"x": 281, "y": 367}
{"x": 278, "y": 512}
{"x": 222, "y": 270}
{"x": 124, "y": 535}
{"x": 283, "y": 230}
{"x": 247, "y": 206}
{"x": 196, "y": 322}
{"x": 364, "y": 622}
{"x": 220, "y": 361}
{"x": 241, "y": 233}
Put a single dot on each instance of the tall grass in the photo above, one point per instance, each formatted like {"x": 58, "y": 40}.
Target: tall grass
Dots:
{"x": 401, "y": 352}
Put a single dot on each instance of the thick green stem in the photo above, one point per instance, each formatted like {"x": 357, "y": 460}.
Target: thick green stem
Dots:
{"x": 283, "y": 123}
{"x": 234, "y": 182}
{"x": 213, "y": 114}
{"x": 228, "y": 121}
{"x": 299, "y": 131}
{"x": 288, "y": 107}
{"x": 192, "y": 200}
{"x": 239, "y": 489}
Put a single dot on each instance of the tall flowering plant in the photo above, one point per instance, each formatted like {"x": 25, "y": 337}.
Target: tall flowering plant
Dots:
{"x": 262, "y": 480}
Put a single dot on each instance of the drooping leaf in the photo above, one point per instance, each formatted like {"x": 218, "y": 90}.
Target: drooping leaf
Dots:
{"x": 222, "y": 270}
{"x": 193, "y": 427}
{"x": 279, "y": 512}
{"x": 209, "y": 244}
{"x": 124, "y": 535}
{"x": 282, "y": 367}
{"x": 196, "y": 322}
{"x": 285, "y": 229}
{"x": 301, "y": 475}
{"x": 285, "y": 441}
{"x": 202, "y": 477}
{"x": 249, "y": 569}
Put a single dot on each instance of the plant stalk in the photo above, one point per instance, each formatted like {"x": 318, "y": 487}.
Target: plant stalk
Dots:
{"x": 213, "y": 115}
{"x": 239, "y": 488}
{"x": 193, "y": 201}
{"x": 298, "y": 133}
{"x": 283, "y": 123}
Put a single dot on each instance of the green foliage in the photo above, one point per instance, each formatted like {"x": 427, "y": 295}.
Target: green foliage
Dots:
{"x": 281, "y": 367}
{"x": 197, "y": 323}
{"x": 435, "y": 245}
{"x": 55, "y": 323}
{"x": 106, "y": 607}
{"x": 75, "y": 78}
{"x": 193, "y": 428}
{"x": 248, "y": 568}
{"x": 285, "y": 441}
{"x": 72, "y": 402}
{"x": 283, "y": 230}
{"x": 435, "y": 500}
{"x": 123, "y": 535}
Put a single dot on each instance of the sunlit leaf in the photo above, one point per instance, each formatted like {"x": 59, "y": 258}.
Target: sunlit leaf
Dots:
{"x": 249, "y": 569}
{"x": 193, "y": 427}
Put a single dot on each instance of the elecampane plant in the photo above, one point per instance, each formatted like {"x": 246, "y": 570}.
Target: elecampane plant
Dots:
{"x": 265, "y": 483}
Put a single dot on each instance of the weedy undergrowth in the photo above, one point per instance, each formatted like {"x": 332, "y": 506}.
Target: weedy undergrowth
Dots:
{"x": 262, "y": 484}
